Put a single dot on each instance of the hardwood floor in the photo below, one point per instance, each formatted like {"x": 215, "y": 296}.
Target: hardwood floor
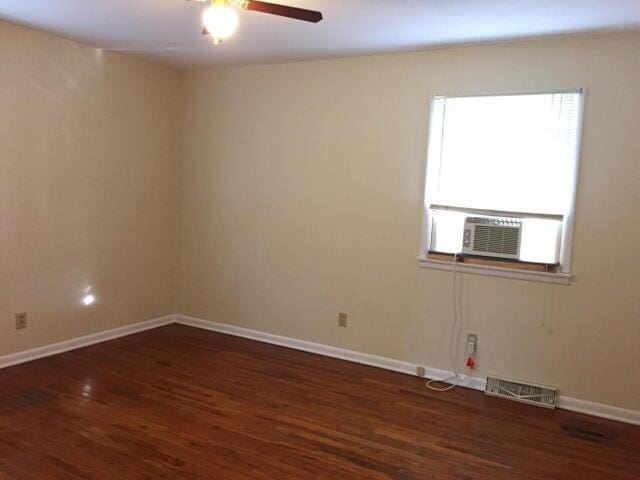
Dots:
{"x": 182, "y": 403}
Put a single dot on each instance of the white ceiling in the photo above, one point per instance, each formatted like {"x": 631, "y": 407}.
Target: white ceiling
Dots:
{"x": 169, "y": 31}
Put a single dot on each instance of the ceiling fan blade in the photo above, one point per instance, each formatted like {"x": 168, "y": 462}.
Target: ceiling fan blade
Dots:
{"x": 285, "y": 11}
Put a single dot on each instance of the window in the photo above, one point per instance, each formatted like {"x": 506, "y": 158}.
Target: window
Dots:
{"x": 505, "y": 156}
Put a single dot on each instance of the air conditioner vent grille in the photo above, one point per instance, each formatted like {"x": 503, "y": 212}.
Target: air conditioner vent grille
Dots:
{"x": 496, "y": 239}
{"x": 492, "y": 237}
{"x": 522, "y": 392}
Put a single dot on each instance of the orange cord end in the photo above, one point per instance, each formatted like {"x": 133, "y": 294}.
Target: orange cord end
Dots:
{"x": 471, "y": 363}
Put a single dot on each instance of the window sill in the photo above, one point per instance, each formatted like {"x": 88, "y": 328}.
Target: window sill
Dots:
{"x": 474, "y": 269}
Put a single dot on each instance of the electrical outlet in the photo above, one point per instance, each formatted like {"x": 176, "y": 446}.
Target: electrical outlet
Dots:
{"x": 421, "y": 371}
{"x": 21, "y": 321}
{"x": 342, "y": 319}
{"x": 472, "y": 344}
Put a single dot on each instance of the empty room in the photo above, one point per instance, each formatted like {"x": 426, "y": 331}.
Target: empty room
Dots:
{"x": 319, "y": 239}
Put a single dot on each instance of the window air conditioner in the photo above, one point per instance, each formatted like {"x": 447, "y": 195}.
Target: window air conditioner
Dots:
{"x": 492, "y": 237}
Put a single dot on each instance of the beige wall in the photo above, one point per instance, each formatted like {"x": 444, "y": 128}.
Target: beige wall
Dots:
{"x": 302, "y": 196}
{"x": 88, "y": 156}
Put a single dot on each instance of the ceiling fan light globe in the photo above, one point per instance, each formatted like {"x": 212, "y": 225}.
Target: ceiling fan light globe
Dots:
{"x": 220, "y": 21}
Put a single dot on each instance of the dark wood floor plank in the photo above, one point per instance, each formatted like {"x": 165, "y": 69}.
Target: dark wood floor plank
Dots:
{"x": 183, "y": 403}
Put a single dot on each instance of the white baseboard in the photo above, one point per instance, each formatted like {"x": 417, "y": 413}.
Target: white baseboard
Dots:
{"x": 599, "y": 410}
{"x": 476, "y": 383}
{"x": 75, "y": 343}
{"x": 326, "y": 350}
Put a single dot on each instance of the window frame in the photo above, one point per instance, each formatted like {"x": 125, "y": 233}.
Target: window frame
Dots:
{"x": 563, "y": 275}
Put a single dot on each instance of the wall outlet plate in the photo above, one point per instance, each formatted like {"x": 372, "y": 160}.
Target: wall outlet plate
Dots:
{"x": 472, "y": 344}
{"x": 21, "y": 321}
{"x": 342, "y": 319}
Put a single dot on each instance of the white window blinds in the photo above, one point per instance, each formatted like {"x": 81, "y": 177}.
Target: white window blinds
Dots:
{"x": 506, "y": 153}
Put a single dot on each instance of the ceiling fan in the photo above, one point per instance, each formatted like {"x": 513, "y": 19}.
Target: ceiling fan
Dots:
{"x": 221, "y": 20}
